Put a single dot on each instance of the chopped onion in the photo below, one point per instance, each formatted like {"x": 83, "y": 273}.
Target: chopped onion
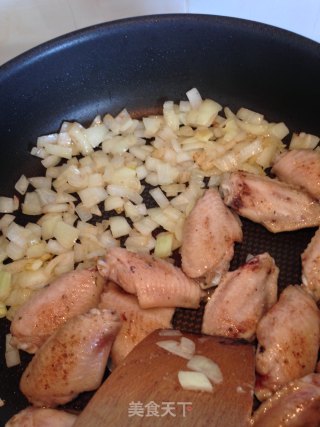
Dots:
{"x": 159, "y": 197}
{"x": 5, "y": 285}
{"x": 65, "y": 234}
{"x": 185, "y": 348}
{"x": 22, "y": 184}
{"x": 32, "y": 204}
{"x": 7, "y": 204}
{"x": 93, "y": 195}
{"x": 6, "y": 220}
{"x": 119, "y": 226}
{"x": 164, "y": 245}
{"x": 101, "y": 168}
{"x": 207, "y": 366}
{"x": 194, "y": 98}
{"x": 196, "y": 381}
{"x": 303, "y": 141}
{"x": 12, "y": 355}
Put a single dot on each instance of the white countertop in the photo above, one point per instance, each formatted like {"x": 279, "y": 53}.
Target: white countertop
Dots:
{"x": 27, "y": 23}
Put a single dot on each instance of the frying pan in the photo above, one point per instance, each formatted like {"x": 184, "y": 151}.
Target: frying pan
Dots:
{"x": 138, "y": 63}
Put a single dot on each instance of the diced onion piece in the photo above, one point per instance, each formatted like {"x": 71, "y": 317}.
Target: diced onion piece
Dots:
{"x": 15, "y": 251}
{"x": 32, "y": 279}
{"x": 205, "y": 114}
{"x": 59, "y": 151}
{"x": 152, "y": 125}
{"x": 22, "y": 184}
{"x": 159, "y": 197}
{"x": 96, "y": 134}
{"x": 167, "y": 174}
{"x": 5, "y": 285}
{"x": 250, "y": 116}
{"x": 194, "y": 98}
{"x": 185, "y": 348}
{"x": 206, "y": 366}
{"x": 12, "y": 358}
{"x": 114, "y": 203}
{"x": 196, "y": 381}
{"x": 250, "y": 150}
{"x": 135, "y": 212}
{"x": 83, "y": 212}
{"x": 41, "y": 182}
{"x": 122, "y": 191}
{"x": 303, "y": 141}
{"x": 65, "y": 234}
{"x": 47, "y": 223}
{"x": 279, "y": 130}
{"x": 187, "y": 345}
{"x": 266, "y": 156}
{"x": 56, "y": 208}
{"x": 77, "y": 133}
{"x": 3, "y": 312}
{"x": 164, "y": 243}
{"x": 37, "y": 250}
{"x": 119, "y": 226}
{"x": 6, "y": 220}
{"x": 157, "y": 215}
{"x": 145, "y": 226}
{"x": 170, "y": 116}
{"x": 7, "y": 204}
{"x": 32, "y": 204}
{"x": 18, "y": 234}
{"x": 50, "y": 161}
{"x": 38, "y": 152}
{"x": 92, "y": 196}
{"x": 42, "y": 141}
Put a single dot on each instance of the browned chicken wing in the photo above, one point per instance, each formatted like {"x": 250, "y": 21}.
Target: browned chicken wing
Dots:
{"x": 137, "y": 322}
{"x": 72, "y": 360}
{"x": 295, "y": 405}
{"x": 300, "y": 168}
{"x": 311, "y": 266}
{"x": 40, "y": 417}
{"x": 209, "y": 234}
{"x": 156, "y": 282}
{"x": 69, "y": 295}
{"x": 241, "y": 299}
{"x": 272, "y": 203}
{"x": 288, "y": 341}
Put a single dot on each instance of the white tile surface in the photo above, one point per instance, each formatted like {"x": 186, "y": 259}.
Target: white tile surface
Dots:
{"x": 302, "y": 17}
{"x": 27, "y": 23}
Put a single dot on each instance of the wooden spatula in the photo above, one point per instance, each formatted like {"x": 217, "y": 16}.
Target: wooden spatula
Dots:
{"x": 144, "y": 390}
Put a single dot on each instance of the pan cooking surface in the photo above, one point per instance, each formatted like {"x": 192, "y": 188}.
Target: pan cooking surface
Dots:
{"x": 285, "y": 248}
{"x": 139, "y": 63}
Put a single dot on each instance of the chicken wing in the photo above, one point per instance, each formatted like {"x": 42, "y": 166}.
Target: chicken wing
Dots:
{"x": 300, "y": 168}
{"x": 311, "y": 266}
{"x": 40, "y": 417}
{"x": 72, "y": 360}
{"x": 137, "y": 322}
{"x": 288, "y": 341}
{"x": 295, "y": 405}
{"x": 156, "y": 282}
{"x": 241, "y": 299}
{"x": 69, "y": 295}
{"x": 274, "y": 204}
{"x": 209, "y": 234}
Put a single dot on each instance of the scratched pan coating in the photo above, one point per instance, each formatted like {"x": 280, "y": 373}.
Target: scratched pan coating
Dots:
{"x": 138, "y": 63}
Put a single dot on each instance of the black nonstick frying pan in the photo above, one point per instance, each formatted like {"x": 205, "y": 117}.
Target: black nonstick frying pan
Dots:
{"x": 138, "y": 63}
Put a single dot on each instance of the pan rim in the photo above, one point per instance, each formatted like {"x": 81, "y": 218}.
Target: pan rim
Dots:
{"x": 67, "y": 40}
